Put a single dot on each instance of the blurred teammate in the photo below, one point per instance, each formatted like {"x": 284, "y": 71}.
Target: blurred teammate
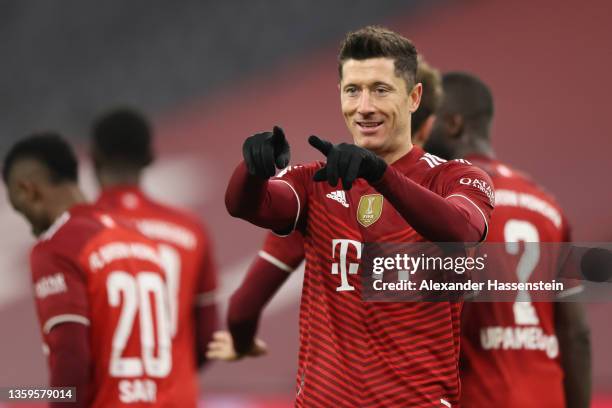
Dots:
{"x": 99, "y": 287}
{"x": 121, "y": 150}
{"x": 355, "y": 353}
{"x": 499, "y": 368}
{"x": 280, "y": 256}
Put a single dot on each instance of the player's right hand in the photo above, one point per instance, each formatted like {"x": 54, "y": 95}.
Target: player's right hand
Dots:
{"x": 221, "y": 347}
{"x": 264, "y": 150}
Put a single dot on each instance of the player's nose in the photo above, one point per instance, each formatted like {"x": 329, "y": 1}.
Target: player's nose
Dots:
{"x": 365, "y": 106}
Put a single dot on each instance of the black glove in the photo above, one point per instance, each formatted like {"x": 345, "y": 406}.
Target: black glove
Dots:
{"x": 264, "y": 150}
{"x": 347, "y": 162}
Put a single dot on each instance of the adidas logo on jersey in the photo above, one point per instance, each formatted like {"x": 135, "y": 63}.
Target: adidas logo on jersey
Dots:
{"x": 339, "y": 196}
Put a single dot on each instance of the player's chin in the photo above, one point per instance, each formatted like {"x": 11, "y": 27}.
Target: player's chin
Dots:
{"x": 371, "y": 142}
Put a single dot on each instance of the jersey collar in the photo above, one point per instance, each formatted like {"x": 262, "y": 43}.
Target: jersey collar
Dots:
{"x": 128, "y": 196}
{"x": 405, "y": 163}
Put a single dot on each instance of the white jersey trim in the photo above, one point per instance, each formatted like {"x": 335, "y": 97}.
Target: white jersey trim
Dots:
{"x": 570, "y": 292}
{"x": 64, "y": 318}
{"x": 275, "y": 261}
{"x": 57, "y": 224}
{"x": 299, "y": 209}
{"x": 206, "y": 298}
{"x": 432, "y": 160}
{"x": 486, "y": 232}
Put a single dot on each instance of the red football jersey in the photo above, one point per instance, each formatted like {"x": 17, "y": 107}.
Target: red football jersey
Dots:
{"x": 89, "y": 268}
{"x": 509, "y": 351}
{"x": 191, "y": 271}
{"x": 286, "y": 253}
{"x": 373, "y": 354}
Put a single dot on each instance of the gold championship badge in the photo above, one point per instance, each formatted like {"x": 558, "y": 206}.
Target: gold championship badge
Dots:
{"x": 370, "y": 209}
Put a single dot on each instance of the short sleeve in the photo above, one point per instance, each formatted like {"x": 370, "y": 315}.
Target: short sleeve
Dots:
{"x": 60, "y": 289}
{"x": 286, "y": 253}
{"x": 468, "y": 184}
{"x": 299, "y": 179}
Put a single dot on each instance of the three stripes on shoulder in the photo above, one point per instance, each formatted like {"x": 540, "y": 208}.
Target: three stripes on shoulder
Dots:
{"x": 434, "y": 161}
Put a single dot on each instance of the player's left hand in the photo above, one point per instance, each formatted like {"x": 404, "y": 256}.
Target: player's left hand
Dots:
{"x": 346, "y": 161}
{"x": 221, "y": 347}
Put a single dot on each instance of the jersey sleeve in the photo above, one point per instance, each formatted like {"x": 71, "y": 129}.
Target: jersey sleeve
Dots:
{"x": 286, "y": 253}
{"x": 60, "y": 289}
{"x": 299, "y": 179}
{"x": 207, "y": 271}
{"x": 469, "y": 187}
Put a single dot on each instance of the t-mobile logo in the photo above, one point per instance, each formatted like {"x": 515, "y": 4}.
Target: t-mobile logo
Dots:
{"x": 345, "y": 268}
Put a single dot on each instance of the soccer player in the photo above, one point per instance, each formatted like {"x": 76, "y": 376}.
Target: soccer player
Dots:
{"x": 99, "y": 287}
{"x": 280, "y": 256}
{"x": 356, "y": 353}
{"x": 121, "y": 148}
{"x": 508, "y": 372}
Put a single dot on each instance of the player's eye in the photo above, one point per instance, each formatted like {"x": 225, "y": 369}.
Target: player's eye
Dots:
{"x": 381, "y": 90}
{"x": 351, "y": 91}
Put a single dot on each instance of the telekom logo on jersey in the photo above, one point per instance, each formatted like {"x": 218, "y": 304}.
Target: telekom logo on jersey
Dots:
{"x": 344, "y": 268}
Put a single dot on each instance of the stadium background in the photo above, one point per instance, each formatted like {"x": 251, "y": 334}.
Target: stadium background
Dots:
{"x": 211, "y": 73}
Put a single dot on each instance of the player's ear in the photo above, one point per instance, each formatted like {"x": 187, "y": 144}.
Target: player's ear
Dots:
{"x": 415, "y": 97}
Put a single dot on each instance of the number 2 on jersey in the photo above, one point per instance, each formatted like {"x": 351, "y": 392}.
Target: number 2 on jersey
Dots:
{"x": 516, "y": 231}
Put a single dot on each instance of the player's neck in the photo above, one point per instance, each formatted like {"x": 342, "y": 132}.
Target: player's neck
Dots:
{"x": 115, "y": 179}
{"x": 476, "y": 146}
{"x": 392, "y": 156}
{"x": 68, "y": 196}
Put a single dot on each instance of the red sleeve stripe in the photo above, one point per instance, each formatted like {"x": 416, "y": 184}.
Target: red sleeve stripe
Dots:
{"x": 55, "y": 320}
{"x": 275, "y": 261}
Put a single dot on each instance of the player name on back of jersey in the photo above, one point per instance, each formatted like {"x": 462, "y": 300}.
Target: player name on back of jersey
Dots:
{"x": 114, "y": 251}
{"x": 527, "y": 201}
{"x": 140, "y": 390}
{"x": 167, "y": 231}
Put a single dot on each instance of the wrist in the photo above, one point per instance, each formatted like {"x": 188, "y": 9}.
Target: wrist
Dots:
{"x": 379, "y": 168}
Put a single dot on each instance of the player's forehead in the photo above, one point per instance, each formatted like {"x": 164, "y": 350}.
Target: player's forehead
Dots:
{"x": 369, "y": 71}
{"x": 27, "y": 168}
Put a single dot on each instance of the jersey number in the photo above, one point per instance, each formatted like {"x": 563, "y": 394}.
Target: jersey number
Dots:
{"x": 144, "y": 294}
{"x": 514, "y": 232}
{"x": 171, "y": 261}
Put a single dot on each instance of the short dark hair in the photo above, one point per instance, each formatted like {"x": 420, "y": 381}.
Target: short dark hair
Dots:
{"x": 432, "y": 94}
{"x": 48, "y": 148}
{"x": 467, "y": 95}
{"x": 123, "y": 135}
{"x": 379, "y": 42}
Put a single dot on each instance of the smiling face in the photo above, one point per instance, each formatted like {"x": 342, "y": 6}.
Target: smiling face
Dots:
{"x": 377, "y": 104}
